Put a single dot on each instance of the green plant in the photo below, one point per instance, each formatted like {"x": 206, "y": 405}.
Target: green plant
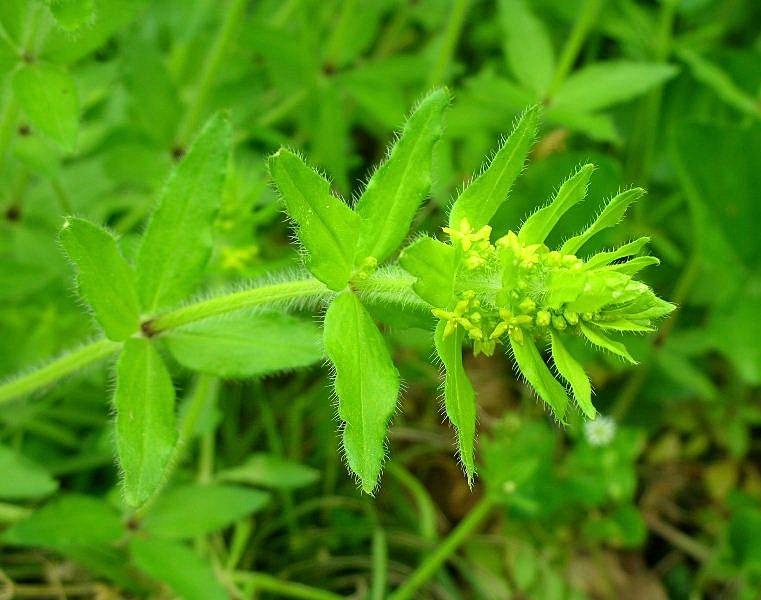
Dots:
{"x": 512, "y": 291}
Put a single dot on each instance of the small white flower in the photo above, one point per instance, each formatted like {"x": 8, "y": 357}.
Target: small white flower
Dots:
{"x": 601, "y": 431}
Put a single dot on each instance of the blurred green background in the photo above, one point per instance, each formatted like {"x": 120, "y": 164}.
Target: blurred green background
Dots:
{"x": 659, "y": 500}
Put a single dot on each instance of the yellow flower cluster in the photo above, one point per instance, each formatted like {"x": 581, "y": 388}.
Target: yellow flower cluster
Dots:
{"x": 518, "y": 313}
{"x": 476, "y": 244}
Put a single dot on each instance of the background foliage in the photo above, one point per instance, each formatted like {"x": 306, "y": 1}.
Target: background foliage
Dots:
{"x": 101, "y": 98}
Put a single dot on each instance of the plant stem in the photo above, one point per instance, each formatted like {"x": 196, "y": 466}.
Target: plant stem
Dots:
{"x": 270, "y": 294}
{"x": 395, "y": 286}
{"x": 57, "y": 369}
{"x": 449, "y": 42}
{"x": 285, "y": 589}
{"x": 210, "y": 68}
{"x": 380, "y": 564}
{"x": 431, "y": 565}
{"x": 642, "y": 147}
{"x": 573, "y": 44}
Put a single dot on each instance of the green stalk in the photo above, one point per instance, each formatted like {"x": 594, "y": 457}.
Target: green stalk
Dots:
{"x": 428, "y": 568}
{"x": 396, "y": 287}
{"x": 57, "y": 369}
{"x": 449, "y": 42}
{"x": 380, "y": 564}
{"x": 210, "y": 68}
{"x": 642, "y": 147}
{"x": 573, "y": 45}
{"x": 270, "y": 294}
{"x": 284, "y": 589}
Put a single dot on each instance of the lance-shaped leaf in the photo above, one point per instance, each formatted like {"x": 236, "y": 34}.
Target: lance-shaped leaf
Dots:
{"x": 106, "y": 281}
{"x": 48, "y": 96}
{"x": 178, "y": 240}
{"x": 534, "y": 369}
{"x": 538, "y": 226}
{"x": 232, "y": 346}
{"x": 399, "y": 186}
{"x": 527, "y": 46}
{"x": 433, "y": 263}
{"x": 610, "y": 216}
{"x": 604, "y": 84}
{"x": 459, "y": 396}
{"x": 367, "y": 385}
{"x": 480, "y": 200}
{"x": 599, "y": 339}
{"x": 605, "y": 258}
{"x": 635, "y": 265}
{"x": 327, "y": 227}
{"x": 574, "y": 374}
{"x": 145, "y": 420}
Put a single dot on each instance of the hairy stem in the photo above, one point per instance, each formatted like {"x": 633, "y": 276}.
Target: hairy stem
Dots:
{"x": 57, "y": 369}
{"x": 269, "y": 294}
{"x": 391, "y": 284}
{"x": 431, "y": 565}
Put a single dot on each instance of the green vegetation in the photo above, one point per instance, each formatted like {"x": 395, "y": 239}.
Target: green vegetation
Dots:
{"x": 194, "y": 405}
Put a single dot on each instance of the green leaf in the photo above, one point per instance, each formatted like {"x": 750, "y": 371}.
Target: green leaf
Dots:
{"x": 145, "y": 420}
{"x": 70, "y": 520}
{"x": 564, "y": 286}
{"x": 480, "y": 200}
{"x": 573, "y": 373}
{"x": 327, "y": 227}
{"x": 173, "y": 563}
{"x": 177, "y": 242}
{"x": 23, "y": 478}
{"x": 399, "y": 186}
{"x": 106, "y": 281}
{"x": 534, "y": 369}
{"x": 271, "y": 471}
{"x": 538, "y": 226}
{"x": 195, "y": 509}
{"x": 635, "y": 265}
{"x": 602, "y": 85}
{"x": 602, "y": 259}
{"x": 72, "y": 14}
{"x": 527, "y": 46}
{"x": 64, "y": 47}
{"x": 433, "y": 263}
{"x": 599, "y": 339}
{"x": 367, "y": 385}
{"x": 459, "y": 396}
{"x": 721, "y": 83}
{"x": 154, "y": 104}
{"x": 610, "y": 216}
{"x": 234, "y": 346}
{"x": 331, "y": 136}
{"x": 48, "y": 96}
